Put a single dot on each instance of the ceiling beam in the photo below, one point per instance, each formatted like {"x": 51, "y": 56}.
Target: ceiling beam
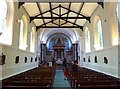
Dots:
{"x": 79, "y": 11}
{"x": 59, "y": 14}
{"x": 57, "y": 27}
{"x": 76, "y": 13}
{"x": 60, "y": 18}
{"x": 20, "y": 4}
{"x": 68, "y": 10}
{"x": 73, "y": 11}
{"x": 81, "y": 27}
{"x": 55, "y": 23}
{"x": 64, "y": 23}
{"x": 48, "y": 22}
{"x": 37, "y": 27}
{"x": 51, "y": 10}
{"x": 101, "y": 4}
{"x": 46, "y": 11}
{"x": 40, "y": 11}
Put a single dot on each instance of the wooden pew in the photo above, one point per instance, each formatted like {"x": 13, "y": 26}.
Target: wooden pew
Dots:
{"x": 99, "y": 87}
{"x": 36, "y": 78}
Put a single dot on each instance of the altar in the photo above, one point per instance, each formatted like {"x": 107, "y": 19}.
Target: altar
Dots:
{"x": 59, "y": 62}
{"x": 59, "y": 50}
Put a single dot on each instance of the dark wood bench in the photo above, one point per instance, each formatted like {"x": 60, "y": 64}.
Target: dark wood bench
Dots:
{"x": 26, "y": 87}
{"x": 98, "y": 87}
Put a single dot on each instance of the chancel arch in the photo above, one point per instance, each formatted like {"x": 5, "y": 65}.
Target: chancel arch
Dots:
{"x": 36, "y": 37}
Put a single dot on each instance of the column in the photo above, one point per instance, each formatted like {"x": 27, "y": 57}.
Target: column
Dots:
{"x": 41, "y": 53}
{"x": 44, "y": 51}
{"x": 73, "y": 52}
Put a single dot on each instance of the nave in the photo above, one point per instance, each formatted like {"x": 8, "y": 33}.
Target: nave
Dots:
{"x": 46, "y": 77}
{"x": 36, "y": 33}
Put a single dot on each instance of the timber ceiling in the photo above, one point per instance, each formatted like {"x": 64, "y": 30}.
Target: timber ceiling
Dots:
{"x": 60, "y": 15}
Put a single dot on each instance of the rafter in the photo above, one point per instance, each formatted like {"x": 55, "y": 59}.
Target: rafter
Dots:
{"x": 79, "y": 11}
{"x": 76, "y": 13}
{"x": 58, "y": 27}
{"x": 45, "y": 24}
{"x": 59, "y": 14}
{"x": 48, "y": 22}
{"x": 20, "y": 4}
{"x": 69, "y": 9}
{"x": 51, "y": 10}
{"x": 40, "y": 11}
{"x": 81, "y": 27}
{"x": 101, "y": 4}
{"x": 46, "y": 11}
{"x": 60, "y": 18}
{"x": 55, "y": 23}
{"x": 64, "y": 23}
{"x": 73, "y": 11}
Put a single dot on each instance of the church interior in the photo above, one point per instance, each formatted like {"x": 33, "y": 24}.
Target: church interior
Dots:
{"x": 37, "y": 35}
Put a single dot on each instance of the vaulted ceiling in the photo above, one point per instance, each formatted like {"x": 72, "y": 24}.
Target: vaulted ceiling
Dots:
{"x": 60, "y": 15}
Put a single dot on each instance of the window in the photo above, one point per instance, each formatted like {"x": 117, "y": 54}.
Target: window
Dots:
{"x": 3, "y": 15}
{"x": 6, "y": 21}
{"x": 100, "y": 38}
{"x": 87, "y": 40}
{"x": 2, "y": 59}
{"x": 32, "y": 40}
{"x": 17, "y": 59}
{"x": 105, "y": 60}
{"x": 23, "y": 33}
{"x": 25, "y": 59}
{"x": 118, "y": 18}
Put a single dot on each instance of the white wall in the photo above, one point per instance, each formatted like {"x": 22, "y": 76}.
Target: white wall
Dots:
{"x": 111, "y": 68}
{"x": 10, "y": 68}
{"x": 11, "y": 51}
{"x": 110, "y": 50}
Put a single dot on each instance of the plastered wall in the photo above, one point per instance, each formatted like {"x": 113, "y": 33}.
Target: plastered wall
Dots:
{"x": 110, "y": 39}
{"x": 11, "y": 51}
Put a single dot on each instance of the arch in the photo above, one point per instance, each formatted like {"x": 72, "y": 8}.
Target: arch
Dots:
{"x": 6, "y": 35}
{"x": 23, "y": 33}
{"x": 32, "y": 40}
{"x": 87, "y": 40}
{"x": 46, "y": 33}
{"x": 98, "y": 39}
{"x": 64, "y": 39}
{"x": 118, "y": 16}
{"x": 113, "y": 23}
{"x": 3, "y": 15}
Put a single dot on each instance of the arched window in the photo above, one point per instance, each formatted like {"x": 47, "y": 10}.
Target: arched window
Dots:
{"x": 6, "y": 21}
{"x": 32, "y": 40}
{"x": 3, "y": 15}
{"x": 117, "y": 9}
{"x": 118, "y": 16}
{"x": 100, "y": 38}
{"x": 87, "y": 40}
{"x": 23, "y": 33}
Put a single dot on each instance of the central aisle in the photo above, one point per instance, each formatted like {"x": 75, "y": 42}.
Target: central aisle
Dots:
{"x": 59, "y": 80}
